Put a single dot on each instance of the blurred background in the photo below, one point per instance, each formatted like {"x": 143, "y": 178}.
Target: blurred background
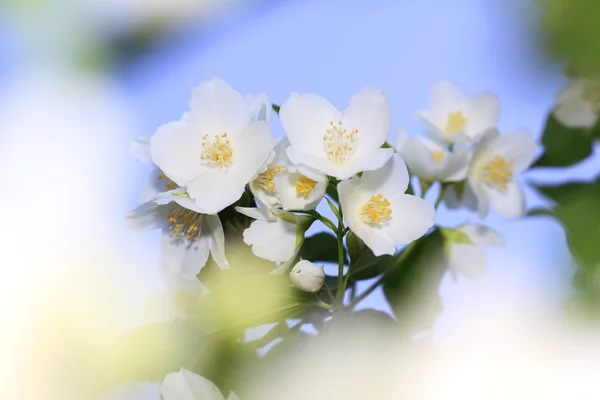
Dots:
{"x": 80, "y": 79}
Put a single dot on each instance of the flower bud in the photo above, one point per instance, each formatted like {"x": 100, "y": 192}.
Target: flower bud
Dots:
{"x": 307, "y": 276}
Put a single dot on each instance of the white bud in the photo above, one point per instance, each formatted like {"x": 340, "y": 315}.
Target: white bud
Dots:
{"x": 307, "y": 276}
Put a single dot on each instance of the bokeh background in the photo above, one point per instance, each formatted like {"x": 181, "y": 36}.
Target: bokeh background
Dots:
{"x": 80, "y": 79}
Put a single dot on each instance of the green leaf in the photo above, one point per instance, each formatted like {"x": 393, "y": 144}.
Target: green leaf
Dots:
{"x": 276, "y": 108}
{"x": 412, "y": 285}
{"x": 567, "y": 192}
{"x": 363, "y": 263}
{"x": 563, "y": 146}
{"x": 321, "y": 247}
{"x": 455, "y": 235}
{"x": 332, "y": 190}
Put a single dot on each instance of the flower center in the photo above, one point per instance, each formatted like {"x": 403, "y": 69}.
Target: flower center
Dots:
{"x": 184, "y": 223}
{"x": 169, "y": 184}
{"x": 456, "y": 123}
{"x": 497, "y": 172}
{"x": 376, "y": 211}
{"x": 339, "y": 143}
{"x": 304, "y": 186}
{"x": 437, "y": 155}
{"x": 217, "y": 151}
{"x": 265, "y": 179}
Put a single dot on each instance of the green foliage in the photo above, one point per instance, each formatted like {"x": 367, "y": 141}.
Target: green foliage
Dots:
{"x": 321, "y": 247}
{"x": 412, "y": 283}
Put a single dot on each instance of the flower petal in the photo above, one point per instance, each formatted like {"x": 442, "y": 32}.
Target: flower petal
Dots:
{"x": 185, "y": 257}
{"x": 482, "y": 235}
{"x": 251, "y": 149}
{"x": 456, "y": 165}
{"x": 260, "y": 213}
{"x": 214, "y": 229}
{"x": 419, "y": 159}
{"x": 140, "y": 148}
{"x": 260, "y": 107}
{"x": 274, "y": 241}
{"x": 176, "y": 150}
{"x": 305, "y": 118}
{"x": 216, "y": 189}
{"x": 467, "y": 259}
{"x": 186, "y": 385}
{"x": 518, "y": 147}
{"x": 411, "y": 218}
{"x": 369, "y": 112}
{"x": 576, "y": 113}
{"x": 481, "y": 194}
{"x": 389, "y": 180}
{"x": 446, "y": 97}
{"x": 153, "y": 186}
{"x": 216, "y": 108}
{"x": 147, "y": 216}
{"x": 483, "y": 115}
{"x": 509, "y": 202}
{"x": 467, "y": 200}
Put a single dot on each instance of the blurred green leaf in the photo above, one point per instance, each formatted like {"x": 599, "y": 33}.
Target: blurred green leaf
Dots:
{"x": 412, "y": 286}
{"x": 570, "y": 191}
{"x": 364, "y": 264}
{"x": 563, "y": 146}
{"x": 321, "y": 247}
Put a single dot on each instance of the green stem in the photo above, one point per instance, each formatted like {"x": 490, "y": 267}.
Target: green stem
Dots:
{"x": 324, "y": 305}
{"x": 443, "y": 190}
{"x": 341, "y": 289}
{"x": 329, "y": 292}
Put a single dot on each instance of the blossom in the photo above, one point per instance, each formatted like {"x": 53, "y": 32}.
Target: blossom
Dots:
{"x": 455, "y": 117}
{"x": 307, "y": 277}
{"x": 464, "y": 248}
{"x": 460, "y": 195}
{"x": 186, "y": 385}
{"x": 336, "y": 143}
{"x": 578, "y": 105}
{"x": 217, "y": 149}
{"x": 188, "y": 235}
{"x": 430, "y": 158}
{"x": 300, "y": 188}
{"x": 378, "y": 211}
{"x": 496, "y": 162}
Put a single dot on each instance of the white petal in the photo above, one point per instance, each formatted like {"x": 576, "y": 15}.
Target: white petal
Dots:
{"x": 184, "y": 257}
{"x": 260, "y": 107}
{"x": 456, "y": 165}
{"x": 481, "y": 194}
{"x": 509, "y": 202}
{"x": 483, "y": 115}
{"x": 467, "y": 200}
{"x": 369, "y": 112}
{"x": 482, "y": 235}
{"x": 216, "y": 108}
{"x": 467, "y": 259}
{"x": 147, "y": 216}
{"x": 518, "y": 147}
{"x": 274, "y": 241}
{"x": 176, "y": 150}
{"x": 214, "y": 229}
{"x": 251, "y": 149}
{"x": 446, "y": 97}
{"x": 233, "y": 396}
{"x": 305, "y": 118}
{"x": 261, "y": 213}
{"x": 389, "y": 180}
{"x": 216, "y": 189}
{"x": 576, "y": 113}
{"x": 186, "y": 385}
{"x": 411, "y": 218}
{"x": 140, "y": 148}
{"x": 419, "y": 159}
{"x": 401, "y": 139}
{"x": 152, "y": 186}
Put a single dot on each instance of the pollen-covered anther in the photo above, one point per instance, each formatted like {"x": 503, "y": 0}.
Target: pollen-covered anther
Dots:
{"x": 437, "y": 155}
{"x": 456, "y": 123}
{"x": 377, "y": 210}
{"x": 169, "y": 184}
{"x": 304, "y": 186}
{"x": 339, "y": 142}
{"x": 217, "y": 150}
{"x": 497, "y": 172}
{"x": 184, "y": 224}
{"x": 265, "y": 179}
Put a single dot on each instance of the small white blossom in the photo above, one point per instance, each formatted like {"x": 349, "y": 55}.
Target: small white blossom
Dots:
{"x": 378, "y": 211}
{"x": 336, "y": 143}
{"x": 578, "y": 105}
{"x": 217, "y": 149}
{"x": 188, "y": 235}
{"x": 455, "y": 117}
{"x": 300, "y": 188}
{"x": 496, "y": 162}
{"x": 466, "y": 256}
{"x": 186, "y": 385}
{"x": 431, "y": 159}
{"x": 307, "y": 277}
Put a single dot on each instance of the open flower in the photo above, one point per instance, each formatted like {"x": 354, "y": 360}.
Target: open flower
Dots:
{"x": 430, "y": 159}
{"x": 217, "y": 149}
{"x": 378, "y": 211}
{"x": 262, "y": 185}
{"x": 578, "y": 105}
{"x": 186, "y": 385}
{"x": 496, "y": 162}
{"x": 336, "y": 143}
{"x": 464, "y": 248}
{"x": 300, "y": 188}
{"x": 188, "y": 235}
{"x": 456, "y": 118}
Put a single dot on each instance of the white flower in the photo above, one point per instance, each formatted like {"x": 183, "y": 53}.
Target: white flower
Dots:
{"x": 335, "y": 143}
{"x": 378, "y": 211}
{"x": 217, "y": 149}
{"x": 186, "y": 385}
{"x": 188, "y": 236}
{"x": 465, "y": 254}
{"x": 456, "y": 118}
{"x": 262, "y": 185}
{"x": 496, "y": 162}
{"x": 578, "y": 105}
{"x": 460, "y": 195}
{"x": 307, "y": 277}
{"x": 300, "y": 188}
{"x": 430, "y": 159}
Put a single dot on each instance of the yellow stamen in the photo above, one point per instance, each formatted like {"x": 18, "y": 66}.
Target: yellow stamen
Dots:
{"x": 339, "y": 143}
{"x": 304, "y": 186}
{"x": 437, "y": 155}
{"x": 217, "y": 150}
{"x": 184, "y": 223}
{"x": 265, "y": 179}
{"x": 169, "y": 184}
{"x": 497, "y": 172}
{"x": 376, "y": 211}
{"x": 456, "y": 123}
